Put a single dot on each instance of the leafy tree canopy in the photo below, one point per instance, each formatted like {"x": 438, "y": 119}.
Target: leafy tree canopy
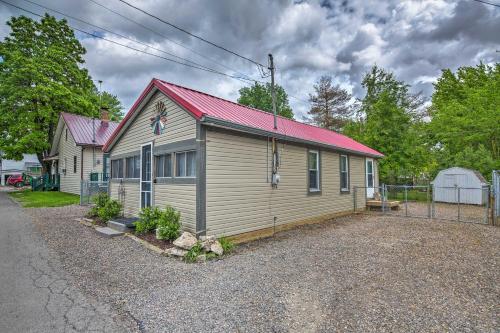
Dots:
{"x": 465, "y": 111}
{"x": 41, "y": 75}
{"x": 112, "y": 104}
{"x": 259, "y": 96}
{"x": 389, "y": 122}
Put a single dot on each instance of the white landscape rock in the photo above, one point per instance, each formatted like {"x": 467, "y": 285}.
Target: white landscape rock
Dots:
{"x": 176, "y": 252}
{"x": 207, "y": 242}
{"x": 216, "y": 248}
{"x": 185, "y": 241}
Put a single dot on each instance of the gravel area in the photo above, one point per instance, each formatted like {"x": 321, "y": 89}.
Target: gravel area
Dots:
{"x": 354, "y": 274}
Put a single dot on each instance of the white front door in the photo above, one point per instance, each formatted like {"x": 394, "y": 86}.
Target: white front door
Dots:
{"x": 146, "y": 175}
{"x": 370, "y": 187}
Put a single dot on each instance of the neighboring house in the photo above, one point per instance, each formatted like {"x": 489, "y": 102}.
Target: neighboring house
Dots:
{"x": 28, "y": 165}
{"x": 460, "y": 185}
{"x": 77, "y": 150}
{"x": 212, "y": 159}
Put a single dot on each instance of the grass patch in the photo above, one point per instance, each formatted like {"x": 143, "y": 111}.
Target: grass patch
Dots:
{"x": 45, "y": 199}
{"x": 413, "y": 195}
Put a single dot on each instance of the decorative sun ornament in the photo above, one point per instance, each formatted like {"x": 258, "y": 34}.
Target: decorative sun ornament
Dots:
{"x": 159, "y": 121}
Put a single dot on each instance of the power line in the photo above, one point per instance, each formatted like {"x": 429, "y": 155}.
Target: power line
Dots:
{"x": 169, "y": 39}
{"x": 115, "y": 33}
{"x": 246, "y": 81}
{"x": 191, "y": 34}
{"x": 487, "y": 3}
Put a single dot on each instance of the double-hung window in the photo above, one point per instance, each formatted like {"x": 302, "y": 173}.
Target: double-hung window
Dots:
{"x": 164, "y": 165}
{"x": 313, "y": 170}
{"x": 133, "y": 167}
{"x": 344, "y": 173}
{"x": 117, "y": 169}
{"x": 185, "y": 164}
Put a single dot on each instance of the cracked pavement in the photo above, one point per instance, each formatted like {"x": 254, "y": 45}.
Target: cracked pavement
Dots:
{"x": 36, "y": 294}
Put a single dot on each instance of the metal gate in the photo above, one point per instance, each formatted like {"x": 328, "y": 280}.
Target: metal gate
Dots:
{"x": 431, "y": 202}
{"x": 89, "y": 189}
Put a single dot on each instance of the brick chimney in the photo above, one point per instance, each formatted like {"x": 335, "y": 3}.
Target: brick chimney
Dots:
{"x": 104, "y": 117}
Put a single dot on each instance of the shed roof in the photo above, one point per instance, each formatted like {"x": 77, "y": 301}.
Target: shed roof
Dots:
{"x": 207, "y": 107}
{"x": 81, "y": 129}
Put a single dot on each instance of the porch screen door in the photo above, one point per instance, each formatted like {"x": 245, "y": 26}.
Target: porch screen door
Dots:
{"x": 146, "y": 166}
{"x": 370, "y": 189}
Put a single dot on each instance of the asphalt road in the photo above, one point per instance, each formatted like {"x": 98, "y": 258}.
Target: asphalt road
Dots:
{"x": 35, "y": 293}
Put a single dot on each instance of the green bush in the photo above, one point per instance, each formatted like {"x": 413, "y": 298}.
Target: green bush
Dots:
{"x": 148, "y": 220}
{"x": 195, "y": 251}
{"x": 226, "y": 244}
{"x": 111, "y": 209}
{"x": 168, "y": 225}
{"x": 100, "y": 201}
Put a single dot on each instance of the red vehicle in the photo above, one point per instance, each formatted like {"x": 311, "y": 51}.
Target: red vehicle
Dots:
{"x": 15, "y": 180}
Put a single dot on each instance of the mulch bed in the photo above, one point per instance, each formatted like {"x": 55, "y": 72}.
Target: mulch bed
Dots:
{"x": 150, "y": 237}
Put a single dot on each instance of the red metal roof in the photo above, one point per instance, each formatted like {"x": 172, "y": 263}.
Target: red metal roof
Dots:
{"x": 201, "y": 104}
{"x": 81, "y": 129}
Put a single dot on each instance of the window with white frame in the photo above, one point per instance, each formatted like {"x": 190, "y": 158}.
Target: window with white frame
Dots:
{"x": 313, "y": 166}
{"x": 185, "y": 164}
{"x": 344, "y": 173}
{"x": 133, "y": 167}
{"x": 164, "y": 165}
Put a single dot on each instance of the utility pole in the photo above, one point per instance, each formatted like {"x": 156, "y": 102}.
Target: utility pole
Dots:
{"x": 273, "y": 93}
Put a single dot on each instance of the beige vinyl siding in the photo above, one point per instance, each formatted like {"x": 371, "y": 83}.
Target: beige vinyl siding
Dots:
{"x": 239, "y": 198}
{"x": 130, "y": 198}
{"x": 180, "y": 126}
{"x": 70, "y": 182}
{"x": 88, "y": 161}
{"x": 182, "y": 198}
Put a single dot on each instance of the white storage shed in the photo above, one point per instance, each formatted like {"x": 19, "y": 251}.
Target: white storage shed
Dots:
{"x": 454, "y": 184}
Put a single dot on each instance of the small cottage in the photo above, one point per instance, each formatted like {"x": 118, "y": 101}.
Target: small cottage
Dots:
{"x": 227, "y": 169}
{"x": 76, "y": 152}
{"x": 462, "y": 185}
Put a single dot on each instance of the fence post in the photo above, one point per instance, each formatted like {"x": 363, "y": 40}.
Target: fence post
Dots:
{"x": 384, "y": 198}
{"x": 406, "y": 200}
{"x": 458, "y": 202}
{"x": 433, "y": 203}
{"x": 428, "y": 201}
{"x": 486, "y": 220}
{"x": 354, "y": 193}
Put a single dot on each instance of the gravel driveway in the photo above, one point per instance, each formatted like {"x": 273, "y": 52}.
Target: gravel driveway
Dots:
{"x": 355, "y": 274}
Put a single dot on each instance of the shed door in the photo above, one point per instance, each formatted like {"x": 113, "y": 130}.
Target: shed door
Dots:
{"x": 146, "y": 176}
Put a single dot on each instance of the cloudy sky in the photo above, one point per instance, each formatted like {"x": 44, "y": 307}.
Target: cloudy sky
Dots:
{"x": 414, "y": 39}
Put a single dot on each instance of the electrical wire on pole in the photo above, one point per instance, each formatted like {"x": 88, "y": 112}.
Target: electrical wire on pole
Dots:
{"x": 172, "y": 41}
{"x": 259, "y": 65}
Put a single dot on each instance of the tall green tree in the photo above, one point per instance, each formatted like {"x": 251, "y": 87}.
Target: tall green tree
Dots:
{"x": 41, "y": 74}
{"x": 465, "y": 124}
{"x": 112, "y": 104}
{"x": 389, "y": 121}
{"x": 259, "y": 96}
{"x": 331, "y": 105}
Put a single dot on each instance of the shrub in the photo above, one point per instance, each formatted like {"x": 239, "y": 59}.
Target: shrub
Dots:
{"x": 148, "y": 220}
{"x": 226, "y": 244}
{"x": 100, "y": 201}
{"x": 111, "y": 209}
{"x": 195, "y": 251}
{"x": 168, "y": 225}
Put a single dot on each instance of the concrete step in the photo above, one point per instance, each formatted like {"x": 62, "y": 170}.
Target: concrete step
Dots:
{"x": 108, "y": 232}
{"x": 118, "y": 226}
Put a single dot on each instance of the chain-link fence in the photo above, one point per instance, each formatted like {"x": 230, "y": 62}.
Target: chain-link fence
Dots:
{"x": 432, "y": 202}
{"x": 89, "y": 189}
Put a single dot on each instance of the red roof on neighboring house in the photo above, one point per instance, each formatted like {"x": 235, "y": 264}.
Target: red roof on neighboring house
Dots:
{"x": 81, "y": 129}
{"x": 204, "y": 105}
